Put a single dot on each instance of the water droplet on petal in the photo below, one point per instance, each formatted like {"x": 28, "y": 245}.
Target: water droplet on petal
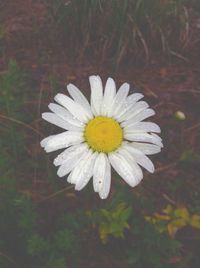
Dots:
{"x": 103, "y": 196}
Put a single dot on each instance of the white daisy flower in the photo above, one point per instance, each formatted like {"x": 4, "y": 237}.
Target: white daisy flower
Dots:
{"x": 107, "y": 132}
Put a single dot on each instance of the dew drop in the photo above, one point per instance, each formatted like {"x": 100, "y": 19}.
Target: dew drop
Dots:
{"x": 102, "y": 196}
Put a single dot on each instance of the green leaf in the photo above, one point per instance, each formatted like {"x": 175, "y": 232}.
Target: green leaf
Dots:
{"x": 37, "y": 245}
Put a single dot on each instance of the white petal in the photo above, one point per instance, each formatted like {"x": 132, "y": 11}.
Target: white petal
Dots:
{"x": 109, "y": 95}
{"x": 79, "y": 98}
{"x": 119, "y": 100}
{"x": 128, "y": 104}
{"x": 70, "y": 176}
{"x": 144, "y": 137}
{"x": 136, "y": 170}
{"x": 99, "y": 171}
{"x": 63, "y": 140}
{"x": 105, "y": 189}
{"x": 85, "y": 172}
{"x": 133, "y": 98}
{"x": 67, "y": 167}
{"x": 78, "y": 170}
{"x": 58, "y": 121}
{"x": 139, "y": 117}
{"x": 140, "y": 158}
{"x": 142, "y": 127}
{"x": 96, "y": 94}
{"x": 71, "y": 161}
{"x": 75, "y": 109}
{"x": 146, "y": 148}
{"x": 156, "y": 137}
{"x": 123, "y": 168}
{"x": 64, "y": 114}
{"x": 43, "y": 142}
{"x": 69, "y": 153}
{"x": 136, "y": 109}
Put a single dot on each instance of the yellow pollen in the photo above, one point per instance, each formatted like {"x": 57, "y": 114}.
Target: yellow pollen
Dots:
{"x": 103, "y": 134}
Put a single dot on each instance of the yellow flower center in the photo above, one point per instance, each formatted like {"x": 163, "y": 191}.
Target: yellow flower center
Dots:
{"x": 103, "y": 134}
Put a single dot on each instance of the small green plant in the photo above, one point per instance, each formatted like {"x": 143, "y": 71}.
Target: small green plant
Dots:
{"x": 172, "y": 219}
{"x": 112, "y": 222}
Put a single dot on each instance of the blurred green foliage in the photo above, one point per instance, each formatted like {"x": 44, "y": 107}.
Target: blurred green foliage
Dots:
{"x": 150, "y": 249}
{"x": 13, "y": 91}
{"x": 189, "y": 156}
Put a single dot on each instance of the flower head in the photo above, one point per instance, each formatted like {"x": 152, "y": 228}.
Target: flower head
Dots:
{"x": 107, "y": 132}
